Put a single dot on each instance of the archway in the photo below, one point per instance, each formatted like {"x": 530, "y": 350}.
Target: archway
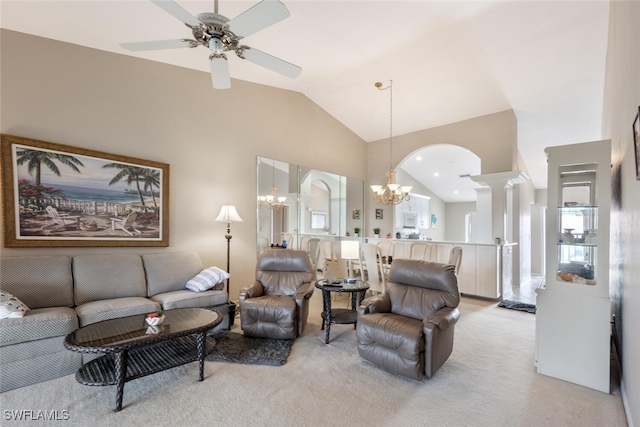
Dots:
{"x": 441, "y": 172}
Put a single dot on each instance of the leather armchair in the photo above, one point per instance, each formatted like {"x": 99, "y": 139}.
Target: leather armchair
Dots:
{"x": 408, "y": 330}
{"x": 276, "y": 305}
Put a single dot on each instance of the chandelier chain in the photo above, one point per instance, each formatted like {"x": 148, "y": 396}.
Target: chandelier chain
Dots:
{"x": 392, "y": 193}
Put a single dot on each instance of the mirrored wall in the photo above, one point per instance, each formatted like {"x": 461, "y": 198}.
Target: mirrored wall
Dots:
{"x": 296, "y": 201}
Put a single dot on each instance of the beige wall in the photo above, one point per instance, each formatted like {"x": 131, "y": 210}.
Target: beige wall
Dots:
{"x": 621, "y": 101}
{"x": 436, "y": 206}
{"x": 455, "y": 215}
{"x": 72, "y": 95}
{"x": 493, "y": 138}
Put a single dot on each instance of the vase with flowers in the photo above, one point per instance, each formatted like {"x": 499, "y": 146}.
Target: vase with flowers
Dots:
{"x": 154, "y": 319}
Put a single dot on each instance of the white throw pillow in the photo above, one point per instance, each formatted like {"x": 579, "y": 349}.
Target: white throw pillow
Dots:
{"x": 207, "y": 279}
{"x": 11, "y": 306}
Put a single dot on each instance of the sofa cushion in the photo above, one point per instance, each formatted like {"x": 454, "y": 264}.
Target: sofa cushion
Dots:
{"x": 186, "y": 299}
{"x": 170, "y": 271}
{"x": 10, "y": 306}
{"x": 105, "y": 277}
{"x": 97, "y": 311}
{"x": 37, "y": 324}
{"x": 38, "y": 281}
{"x": 36, "y": 361}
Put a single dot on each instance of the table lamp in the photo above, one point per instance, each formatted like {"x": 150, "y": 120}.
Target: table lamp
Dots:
{"x": 350, "y": 249}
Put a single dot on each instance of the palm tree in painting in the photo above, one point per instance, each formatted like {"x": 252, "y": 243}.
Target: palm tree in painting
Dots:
{"x": 131, "y": 174}
{"x": 36, "y": 158}
{"x": 151, "y": 179}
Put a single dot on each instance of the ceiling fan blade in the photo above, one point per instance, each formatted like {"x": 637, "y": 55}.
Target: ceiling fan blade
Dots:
{"x": 270, "y": 62}
{"x": 259, "y": 17}
{"x": 177, "y": 12}
{"x": 158, "y": 45}
{"x": 220, "y": 72}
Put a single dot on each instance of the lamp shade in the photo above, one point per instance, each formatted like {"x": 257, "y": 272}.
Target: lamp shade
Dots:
{"x": 228, "y": 213}
{"x": 349, "y": 249}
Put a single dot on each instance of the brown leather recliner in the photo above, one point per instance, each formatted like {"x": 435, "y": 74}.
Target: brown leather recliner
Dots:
{"x": 277, "y": 304}
{"x": 408, "y": 330}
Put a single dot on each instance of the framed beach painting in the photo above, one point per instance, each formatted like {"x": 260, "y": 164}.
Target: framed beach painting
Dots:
{"x": 58, "y": 195}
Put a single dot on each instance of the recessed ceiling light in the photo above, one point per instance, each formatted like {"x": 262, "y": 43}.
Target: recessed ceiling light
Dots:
{"x": 455, "y": 192}
{"x": 436, "y": 174}
{"x": 419, "y": 158}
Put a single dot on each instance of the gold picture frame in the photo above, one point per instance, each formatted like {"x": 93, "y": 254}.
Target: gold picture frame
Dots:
{"x": 59, "y": 195}
{"x": 636, "y": 143}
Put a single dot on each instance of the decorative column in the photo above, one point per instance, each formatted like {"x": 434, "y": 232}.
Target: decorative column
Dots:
{"x": 499, "y": 182}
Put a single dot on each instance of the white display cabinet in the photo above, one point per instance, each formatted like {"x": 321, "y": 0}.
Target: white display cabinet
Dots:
{"x": 573, "y": 307}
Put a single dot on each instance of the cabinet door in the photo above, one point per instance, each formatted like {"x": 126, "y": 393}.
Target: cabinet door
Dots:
{"x": 488, "y": 282}
{"x": 467, "y": 272}
{"x": 410, "y": 205}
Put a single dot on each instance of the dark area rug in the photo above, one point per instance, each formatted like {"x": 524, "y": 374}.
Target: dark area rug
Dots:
{"x": 520, "y": 306}
{"x": 236, "y": 348}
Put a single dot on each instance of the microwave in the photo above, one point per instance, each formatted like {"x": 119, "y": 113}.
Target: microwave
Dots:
{"x": 410, "y": 219}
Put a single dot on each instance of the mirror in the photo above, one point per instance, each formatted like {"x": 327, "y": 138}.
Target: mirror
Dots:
{"x": 296, "y": 201}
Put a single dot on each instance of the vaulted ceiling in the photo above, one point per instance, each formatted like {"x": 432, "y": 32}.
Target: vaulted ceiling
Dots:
{"x": 449, "y": 60}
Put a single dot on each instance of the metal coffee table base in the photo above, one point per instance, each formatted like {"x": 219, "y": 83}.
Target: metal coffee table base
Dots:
{"x": 122, "y": 366}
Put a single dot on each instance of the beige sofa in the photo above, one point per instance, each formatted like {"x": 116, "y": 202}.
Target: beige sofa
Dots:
{"x": 64, "y": 293}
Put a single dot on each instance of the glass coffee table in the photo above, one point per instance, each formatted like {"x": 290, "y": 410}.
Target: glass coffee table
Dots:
{"x": 132, "y": 349}
{"x": 356, "y": 288}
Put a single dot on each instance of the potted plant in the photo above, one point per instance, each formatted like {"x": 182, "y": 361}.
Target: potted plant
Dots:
{"x": 356, "y": 231}
{"x": 376, "y": 232}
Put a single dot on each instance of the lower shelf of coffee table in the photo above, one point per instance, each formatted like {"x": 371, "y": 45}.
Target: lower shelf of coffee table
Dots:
{"x": 143, "y": 361}
{"x": 342, "y": 316}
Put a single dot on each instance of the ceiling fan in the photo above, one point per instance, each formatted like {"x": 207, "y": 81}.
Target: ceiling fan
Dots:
{"x": 220, "y": 35}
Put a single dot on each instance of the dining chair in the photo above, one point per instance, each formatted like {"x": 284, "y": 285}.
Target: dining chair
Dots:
{"x": 372, "y": 267}
{"x": 455, "y": 258}
{"x": 304, "y": 243}
{"x": 312, "y": 246}
{"x": 263, "y": 243}
{"x": 388, "y": 248}
{"x": 328, "y": 257}
{"x": 421, "y": 250}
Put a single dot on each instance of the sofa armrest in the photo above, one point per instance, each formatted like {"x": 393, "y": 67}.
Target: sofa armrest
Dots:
{"x": 443, "y": 318}
{"x": 255, "y": 290}
{"x": 305, "y": 291}
{"x": 375, "y": 304}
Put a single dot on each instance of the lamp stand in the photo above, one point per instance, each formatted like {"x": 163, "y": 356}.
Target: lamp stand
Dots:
{"x": 228, "y": 236}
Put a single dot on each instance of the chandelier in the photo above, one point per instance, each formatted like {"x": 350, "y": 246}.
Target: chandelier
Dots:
{"x": 392, "y": 193}
{"x": 272, "y": 201}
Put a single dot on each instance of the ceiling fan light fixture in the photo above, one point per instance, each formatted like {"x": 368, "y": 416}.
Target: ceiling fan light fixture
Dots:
{"x": 220, "y": 34}
{"x": 216, "y": 46}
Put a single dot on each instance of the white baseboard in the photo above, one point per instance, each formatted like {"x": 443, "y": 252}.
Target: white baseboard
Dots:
{"x": 625, "y": 404}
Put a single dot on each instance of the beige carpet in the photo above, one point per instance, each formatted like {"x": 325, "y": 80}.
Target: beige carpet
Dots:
{"x": 489, "y": 380}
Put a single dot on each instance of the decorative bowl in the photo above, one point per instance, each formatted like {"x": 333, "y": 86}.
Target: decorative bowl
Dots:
{"x": 153, "y": 321}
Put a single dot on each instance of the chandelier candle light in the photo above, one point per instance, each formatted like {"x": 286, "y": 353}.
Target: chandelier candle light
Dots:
{"x": 392, "y": 193}
{"x": 228, "y": 214}
{"x": 270, "y": 199}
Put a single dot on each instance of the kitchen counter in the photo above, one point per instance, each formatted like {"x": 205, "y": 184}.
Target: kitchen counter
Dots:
{"x": 486, "y": 268}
